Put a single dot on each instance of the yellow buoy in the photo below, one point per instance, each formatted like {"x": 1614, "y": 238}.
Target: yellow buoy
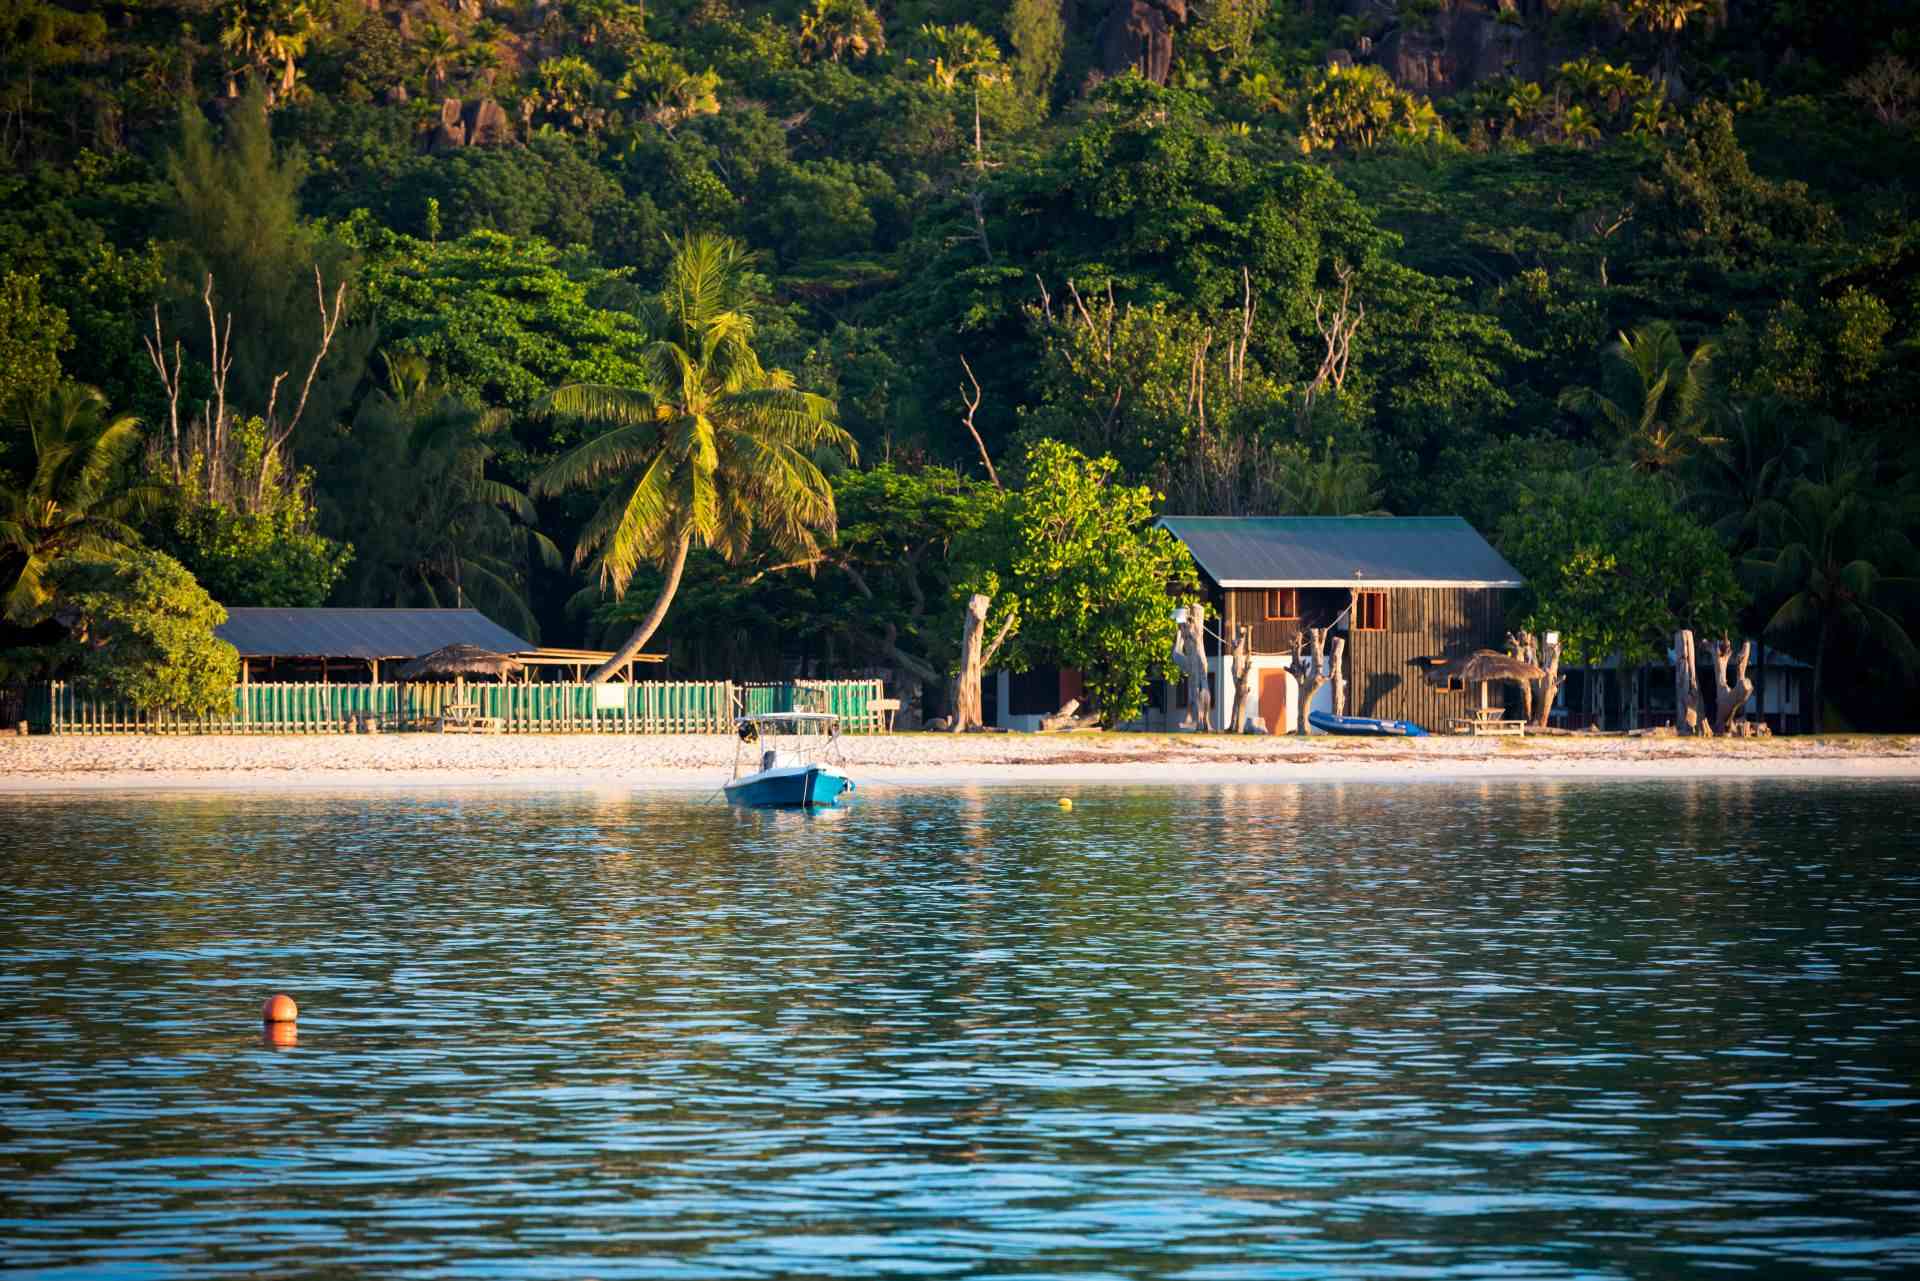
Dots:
{"x": 1066, "y": 803}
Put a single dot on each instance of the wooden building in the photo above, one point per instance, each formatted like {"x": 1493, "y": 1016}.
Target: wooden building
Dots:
{"x": 362, "y": 646}
{"x": 1397, "y": 587}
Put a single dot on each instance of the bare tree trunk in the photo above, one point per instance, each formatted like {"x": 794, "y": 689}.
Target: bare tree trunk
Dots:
{"x": 1242, "y": 678}
{"x": 1312, "y": 668}
{"x": 973, "y": 404}
{"x": 1547, "y": 688}
{"x": 170, "y": 383}
{"x": 966, "y": 691}
{"x": 1728, "y": 699}
{"x": 1337, "y": 673}
{"x": 1690, "y": 717}
{"x": 1521, "y": 647}
{"x": 651, "y": 623}
{"x": 1191, "y": 653}
{"x": 1682, "y": 678}
{"x": 278, "y": 435}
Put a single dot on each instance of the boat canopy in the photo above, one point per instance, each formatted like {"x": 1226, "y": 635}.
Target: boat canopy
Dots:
{"x": 791, "y": 718}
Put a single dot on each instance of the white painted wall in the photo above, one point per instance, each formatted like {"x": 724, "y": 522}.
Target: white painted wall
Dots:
{"x": 1221, "y": 670}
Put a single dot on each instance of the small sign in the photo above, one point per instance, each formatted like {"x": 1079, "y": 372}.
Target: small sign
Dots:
{"x": 610, "y": 696}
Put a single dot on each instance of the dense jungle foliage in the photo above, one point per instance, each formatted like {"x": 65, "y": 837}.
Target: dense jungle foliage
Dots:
{"x": 548, "y": 306}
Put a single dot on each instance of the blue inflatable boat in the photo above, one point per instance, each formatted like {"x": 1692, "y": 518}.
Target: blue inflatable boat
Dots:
{"x": 1328, "y": 723}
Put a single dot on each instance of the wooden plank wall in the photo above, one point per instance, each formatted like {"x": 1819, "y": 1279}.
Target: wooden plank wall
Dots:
{"x": 1420, "y": 621}
{"x": 1423, "y": 620}
{"x": 1319, "y": 606}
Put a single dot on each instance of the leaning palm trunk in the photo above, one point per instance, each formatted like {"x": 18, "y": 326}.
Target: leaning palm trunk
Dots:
{"x": 651, "y": 623}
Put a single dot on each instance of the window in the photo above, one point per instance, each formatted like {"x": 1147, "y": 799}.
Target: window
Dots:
{"x": 1282, "y": 602}
{"x": 1370, "y": 612}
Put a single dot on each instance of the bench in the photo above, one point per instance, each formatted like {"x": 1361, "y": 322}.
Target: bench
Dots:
{"x": 465, "y": 718}
{"x": 883, "y": 710}
{"x": 1488, "y": 720}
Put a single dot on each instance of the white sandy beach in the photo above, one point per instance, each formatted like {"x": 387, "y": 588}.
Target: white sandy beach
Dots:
{"x": 276, "y": 763}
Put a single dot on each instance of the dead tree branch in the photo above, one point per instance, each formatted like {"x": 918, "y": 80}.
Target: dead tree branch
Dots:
{"x": 973, "y": 404}
{"x": 329, "y": 326}
{"x": 1336, "y": 330}
{"x": 169, "y": 383}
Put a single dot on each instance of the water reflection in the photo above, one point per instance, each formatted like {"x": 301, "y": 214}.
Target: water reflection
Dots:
{"x": 1539, "y": 1030}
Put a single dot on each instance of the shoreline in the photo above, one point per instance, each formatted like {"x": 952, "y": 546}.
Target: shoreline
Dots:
{"x": 79, "y": 765}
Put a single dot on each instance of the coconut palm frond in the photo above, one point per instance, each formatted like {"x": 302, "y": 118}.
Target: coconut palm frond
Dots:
{"x": 504, "y": 495}
{"x": 602, "y": 405}
{"x": 545, "y": 550}
{"x": 596, "y": 459}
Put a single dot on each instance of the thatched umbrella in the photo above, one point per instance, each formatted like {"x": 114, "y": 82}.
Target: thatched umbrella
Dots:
{"x": 454, "y": 662}
{"x": 1479, "y": 668}
{"x": 1481, "y": 665}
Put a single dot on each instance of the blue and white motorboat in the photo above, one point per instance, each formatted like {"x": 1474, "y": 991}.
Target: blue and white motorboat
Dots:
{"x": 789, "y": 777}
{"x": 1328, "y": 723}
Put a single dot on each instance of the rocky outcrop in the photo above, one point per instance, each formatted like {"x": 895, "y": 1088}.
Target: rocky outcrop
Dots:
{"x": 487, "y": 124}
{"x": 1459, "y": 47}
{"x": 479, "y": 123}
{"x": 1138, "y": 36}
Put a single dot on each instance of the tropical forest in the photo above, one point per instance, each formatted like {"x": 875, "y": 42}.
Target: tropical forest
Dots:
{"x": 764, "y": 334}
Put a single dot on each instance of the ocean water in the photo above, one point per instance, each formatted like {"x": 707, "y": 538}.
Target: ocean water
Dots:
{"x": 1515, "y": 1030}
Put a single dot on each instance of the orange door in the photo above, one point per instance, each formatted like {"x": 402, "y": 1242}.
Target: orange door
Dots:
{"x": 1273, "y": 700}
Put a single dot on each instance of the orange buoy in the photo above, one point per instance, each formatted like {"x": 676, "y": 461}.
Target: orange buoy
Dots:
{"x": 279, "y": 1009}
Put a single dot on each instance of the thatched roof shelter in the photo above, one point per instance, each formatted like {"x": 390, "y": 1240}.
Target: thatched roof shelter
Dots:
{"x": 453, "y": 661}
{"x": 1477, "y": 667}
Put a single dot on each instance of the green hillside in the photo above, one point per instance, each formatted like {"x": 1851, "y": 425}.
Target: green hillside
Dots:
{"x": 1597, "y": 275}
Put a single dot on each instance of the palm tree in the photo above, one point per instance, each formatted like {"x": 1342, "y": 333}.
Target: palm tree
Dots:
{"x": 439, "y": 48}
{"x": 1526, "y": 103}
{"x": 1578, "y": 126}
{"x": 1760, "y": 454}
{"x": 1587, "y": 77}
{"x": 1650, "y": 115}
{"x": 1654, "y": 398}
{"x": 436, "y": 528}
{"x": 1332, "y": 484}
{"x": 73, "y": 498}
{"x": 715, "y": 450}
{"x": 1832, "y": 547}
{"x": 1667, "y": 19}
{"x": 836, "y": 28}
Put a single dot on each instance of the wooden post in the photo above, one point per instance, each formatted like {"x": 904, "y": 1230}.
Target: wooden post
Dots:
{"x": 1336, "y": 659}
{"x": 1335, "y": 662}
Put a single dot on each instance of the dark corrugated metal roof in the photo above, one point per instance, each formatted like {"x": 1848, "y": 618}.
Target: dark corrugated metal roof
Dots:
{"x": 1338, "y": 551}
{"x": 361, "y": 633}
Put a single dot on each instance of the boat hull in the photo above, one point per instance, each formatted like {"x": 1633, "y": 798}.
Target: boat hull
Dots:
{"x": 1327, "y": 723}
{"x": 801, "y": 787}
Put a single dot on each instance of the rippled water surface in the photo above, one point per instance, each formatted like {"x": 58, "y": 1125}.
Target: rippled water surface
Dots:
{"x": 1511, "y": 1031}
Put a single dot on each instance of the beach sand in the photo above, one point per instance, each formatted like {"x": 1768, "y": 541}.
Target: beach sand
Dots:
{"x": 351, "y": 762}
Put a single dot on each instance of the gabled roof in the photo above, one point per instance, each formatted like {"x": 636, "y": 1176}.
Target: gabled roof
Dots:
{"x": 361, "y": 633}
{"x": 1342, "y": 551}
